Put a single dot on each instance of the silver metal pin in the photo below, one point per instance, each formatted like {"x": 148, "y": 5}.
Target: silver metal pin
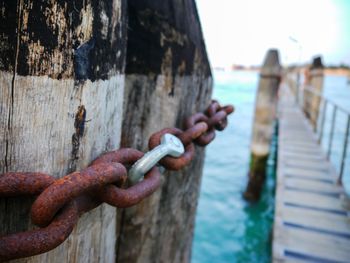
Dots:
{"x": 169, "y": 145}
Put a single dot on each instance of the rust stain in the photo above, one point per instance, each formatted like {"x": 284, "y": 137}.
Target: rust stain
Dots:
{"x": 79, "y": 126}
{"x": 182, "y": 68}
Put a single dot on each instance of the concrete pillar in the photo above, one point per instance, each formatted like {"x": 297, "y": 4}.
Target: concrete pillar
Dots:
{"x": 265, "y": 114}
{"x": 316, "y": 84}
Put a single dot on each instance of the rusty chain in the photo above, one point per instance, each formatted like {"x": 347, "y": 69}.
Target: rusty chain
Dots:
{"x": 62, "y": 201}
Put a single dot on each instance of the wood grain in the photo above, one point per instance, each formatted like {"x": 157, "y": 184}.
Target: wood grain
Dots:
{"x": 51, "y": 67}
{"x": 167, "y": 79}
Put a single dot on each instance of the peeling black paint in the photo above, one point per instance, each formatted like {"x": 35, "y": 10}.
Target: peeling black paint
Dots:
{"x": 82, "y": 66}
{"x": 106, "y": 58}
{"x": 8, "y": 38}
{"x": 39, "y": 31}
{"x": 149, "y": 22}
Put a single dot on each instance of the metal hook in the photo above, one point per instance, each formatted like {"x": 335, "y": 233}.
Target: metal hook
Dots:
{"x": 169, "y": 145}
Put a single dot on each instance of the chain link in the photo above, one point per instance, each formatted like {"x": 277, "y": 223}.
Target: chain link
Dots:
{"x": 62, "y": 201}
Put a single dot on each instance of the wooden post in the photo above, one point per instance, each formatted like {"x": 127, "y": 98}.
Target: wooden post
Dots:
{"x": 292, "y": 80}
{"x": 265, "y": 114}
{"x": 168, "y": 78}
{"x": 59, "y": 58}
{"x": 316, "y": 84}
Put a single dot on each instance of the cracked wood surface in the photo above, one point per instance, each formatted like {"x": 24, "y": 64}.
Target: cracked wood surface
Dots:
{"x": 49, "y": 66}
{"x": 167, "y": 79}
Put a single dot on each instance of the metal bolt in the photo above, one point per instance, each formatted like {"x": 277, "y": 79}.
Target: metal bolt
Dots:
{"x": 169, "y": 145}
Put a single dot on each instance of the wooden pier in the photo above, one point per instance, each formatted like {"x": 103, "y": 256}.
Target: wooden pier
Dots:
{"x": 311, "y": 222}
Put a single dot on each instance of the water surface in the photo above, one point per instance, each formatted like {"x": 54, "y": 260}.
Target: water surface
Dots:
{"x": 227, "y": 228}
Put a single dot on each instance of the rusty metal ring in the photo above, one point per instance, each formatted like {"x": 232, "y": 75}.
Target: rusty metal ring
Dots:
{"x": 218, "y": 121}
{"x": 212, "y": 110}
{"x": 29, "y": 243}
{"x": 14, "y": 184}
{"x": 168, "y": 162}
{"x": 223, "y": 123}
{"x": 122, "y": 198}
{"x": 38, "y": 241}
{"x": 73, "y": 185}
{"x": 41, "y": 240}
{"x": 229, "y": 109}
{"x": 133, "y": 195}
{"x": 193, "y": 132}
{"x": 206, "y": 138}
{"x": 125, "y": 156}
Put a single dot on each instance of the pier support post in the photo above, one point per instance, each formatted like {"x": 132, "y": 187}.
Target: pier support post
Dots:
{"x": 315, "y": 83}
{"x": 61, "y": 61}
{"x": 265, "y": 113}
{"x": 168, "y": 78}
{"x": 317, "y": 86}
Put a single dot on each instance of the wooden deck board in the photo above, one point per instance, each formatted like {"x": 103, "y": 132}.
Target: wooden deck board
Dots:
{"x": 312, "y": 165}
{"x": 311, "y": 223}
{"x": 311, "y": 199}
{"x": 298, "y": 156}
{"x": 312, "y": 186}
{"x": 307, "y": 173}
{"x": 318, "y": 220}
{"x": 309, "y": 244}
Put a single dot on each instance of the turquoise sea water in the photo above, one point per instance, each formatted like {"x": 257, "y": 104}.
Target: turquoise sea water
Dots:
{"x": 227, "y": 228}
{"x": 337, "y": 90}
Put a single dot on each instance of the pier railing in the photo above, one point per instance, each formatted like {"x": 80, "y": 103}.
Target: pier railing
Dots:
{"x": 319, "y": 111}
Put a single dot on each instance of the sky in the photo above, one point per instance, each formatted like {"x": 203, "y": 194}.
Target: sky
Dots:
{"x": 241, "y": 31}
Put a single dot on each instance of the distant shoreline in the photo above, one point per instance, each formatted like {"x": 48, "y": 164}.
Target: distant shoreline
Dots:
{"x": 327, "y": 71}
{"x": 337, "y": 72}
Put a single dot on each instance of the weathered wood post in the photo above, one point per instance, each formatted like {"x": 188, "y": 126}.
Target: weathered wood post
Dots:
{"x": 168, "y": 78}
{"x": 315, "y": 83}
{"x": 59, "y": 60}
{"x": 292, "y": 80}
{"x": 265, "y": 114}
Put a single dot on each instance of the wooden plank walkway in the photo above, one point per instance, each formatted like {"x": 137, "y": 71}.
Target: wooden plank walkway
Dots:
{"x": 311, "y": 224}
